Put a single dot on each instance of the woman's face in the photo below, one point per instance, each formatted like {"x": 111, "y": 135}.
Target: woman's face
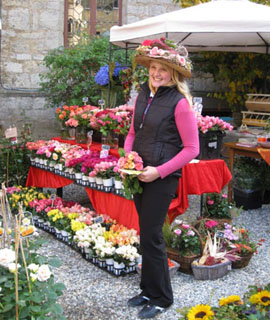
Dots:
{"x": 159, "y": 74}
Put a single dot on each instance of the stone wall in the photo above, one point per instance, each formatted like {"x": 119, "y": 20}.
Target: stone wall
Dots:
{"x": 135, "y": 10}
{"x": 30, "y": 28}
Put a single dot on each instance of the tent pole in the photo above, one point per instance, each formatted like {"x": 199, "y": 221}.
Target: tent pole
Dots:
{"x": 109, "y": 84}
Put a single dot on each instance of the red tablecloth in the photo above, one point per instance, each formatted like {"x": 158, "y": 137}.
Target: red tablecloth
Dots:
{"x": 197, "y": 178}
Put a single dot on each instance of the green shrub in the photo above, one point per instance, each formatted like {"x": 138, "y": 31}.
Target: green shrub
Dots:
{"x": 71, "y": 72}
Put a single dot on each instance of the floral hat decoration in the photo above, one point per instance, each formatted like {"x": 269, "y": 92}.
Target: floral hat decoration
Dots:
{"x": 166, "y": 51}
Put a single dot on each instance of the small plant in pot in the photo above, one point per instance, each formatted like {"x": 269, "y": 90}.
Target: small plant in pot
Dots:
{"x": 247, "y": 183}
{"x": 215, "y": 262}
{"x": 185, "y": 245}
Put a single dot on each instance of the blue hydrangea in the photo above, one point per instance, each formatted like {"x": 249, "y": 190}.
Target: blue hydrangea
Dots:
{"x": 102, "y": 77}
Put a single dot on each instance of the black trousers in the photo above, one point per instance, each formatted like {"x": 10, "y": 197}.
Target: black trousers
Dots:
{"x": 152, "y": 206}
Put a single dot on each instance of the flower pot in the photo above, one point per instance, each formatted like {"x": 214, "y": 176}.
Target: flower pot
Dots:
{"x": 85, "y": 180}
{"x": 118, "y": 184}
{"x": 216, "y": 271}
{"x": 107, "y": 182}
{"x": 109, "y": 264}
{"x": 78, "y": 176}
{"x": 243, "y": 262}
{"x": 81, "y": 134}
{"x": 248, "y": 199}
{"x": 111, "y": 140}
{"x": 109, "y": 102}
{"x": 118, "y": 268}
{"x": 131, "y": 267}
{"x": 102, "y": 263}
{"x": 99, "y": 183}
{"x": 210, "y": 145}
{"x": 88, "y": 253}
{"x": 71, "y": 133}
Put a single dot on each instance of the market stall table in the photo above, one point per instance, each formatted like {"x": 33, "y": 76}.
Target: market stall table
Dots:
{"x": 197, "y": 178}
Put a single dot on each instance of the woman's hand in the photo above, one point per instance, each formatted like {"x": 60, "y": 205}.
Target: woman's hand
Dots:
{"x": 149, "y": 174}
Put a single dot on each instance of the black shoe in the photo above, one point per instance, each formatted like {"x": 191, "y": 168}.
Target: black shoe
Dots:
{"x": 150, "y": 311}
{"x": 138, "y": 301}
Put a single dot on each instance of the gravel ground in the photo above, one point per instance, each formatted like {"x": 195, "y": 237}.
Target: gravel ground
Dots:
{"x": 93, "y": 294}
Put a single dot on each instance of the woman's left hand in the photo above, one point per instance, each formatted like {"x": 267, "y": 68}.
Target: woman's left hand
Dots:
{"x": 149, "y": 174}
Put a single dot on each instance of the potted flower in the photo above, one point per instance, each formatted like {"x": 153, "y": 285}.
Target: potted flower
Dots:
{"x": 109, "y": 74}
{"x": 186, "y": 246}
{"x": 213, "y": 264}
{"x": 216, "y": 207}
{"x": 247, "y": 183}
{"x": 243, "y": 246}
{"x": 211, "y": 133}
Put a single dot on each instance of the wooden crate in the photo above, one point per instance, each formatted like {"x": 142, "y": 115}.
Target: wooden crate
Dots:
{"x": 258, "y": 102}
{"x": 257, "y": 119}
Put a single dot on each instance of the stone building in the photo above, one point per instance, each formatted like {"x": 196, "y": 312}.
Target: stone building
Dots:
{"x": 30, "y": 28}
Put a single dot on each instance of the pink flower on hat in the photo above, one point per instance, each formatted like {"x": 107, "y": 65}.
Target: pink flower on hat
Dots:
{"x": 181, "y": 60}
{"x": 154, "y": 51}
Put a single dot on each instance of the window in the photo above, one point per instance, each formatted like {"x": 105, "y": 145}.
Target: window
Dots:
{"x": 90, "y": 17}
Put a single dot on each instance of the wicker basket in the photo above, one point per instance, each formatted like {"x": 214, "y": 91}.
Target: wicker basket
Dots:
{"x": 184, "y": 261}
{"x": 245, "y": 259}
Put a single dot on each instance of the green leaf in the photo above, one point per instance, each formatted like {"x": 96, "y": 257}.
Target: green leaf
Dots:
{"x": 59, "y": 287}
{"x": 55, "y": 262}
{"x": 121, "y": 152}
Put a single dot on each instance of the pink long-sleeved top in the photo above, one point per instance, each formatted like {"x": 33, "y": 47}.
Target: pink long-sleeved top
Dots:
{"x": 187, "y": 127}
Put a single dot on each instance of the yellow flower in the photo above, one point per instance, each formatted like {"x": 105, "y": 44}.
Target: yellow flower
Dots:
{"x": 72, "y": 215}
{"x": 200, "y": 312}
{"x": 229, "y": 300}
{"x": 261, "y": 298}
{"x": 76, "y": 225}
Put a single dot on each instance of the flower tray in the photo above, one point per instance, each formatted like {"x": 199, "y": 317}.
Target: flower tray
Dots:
{"x": 245, "y": 259}
{"x": 216, "y": 271}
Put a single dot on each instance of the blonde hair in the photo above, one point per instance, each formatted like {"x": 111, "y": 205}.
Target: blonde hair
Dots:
{"x": 178, "y": 80}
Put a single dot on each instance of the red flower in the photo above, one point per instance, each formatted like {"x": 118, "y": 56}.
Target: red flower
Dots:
{"x": 147, "y": 42}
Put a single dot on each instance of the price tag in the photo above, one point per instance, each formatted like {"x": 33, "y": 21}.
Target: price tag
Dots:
{"x": 53, "y": 197}
{"x": 11, "y": 133}
{"x": 220, "y": 234}
{"x": 212, "y": 144}
{"x": 104, "y": 151}
{"x": 98, "y": 219}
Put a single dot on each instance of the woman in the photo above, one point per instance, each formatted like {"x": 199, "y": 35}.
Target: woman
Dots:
{"x": 165, "y": 134}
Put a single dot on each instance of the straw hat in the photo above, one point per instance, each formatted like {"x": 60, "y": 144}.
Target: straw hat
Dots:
{"x": 164, "y": 51}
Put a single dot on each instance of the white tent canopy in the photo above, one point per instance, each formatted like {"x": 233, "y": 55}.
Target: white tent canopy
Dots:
{"x": 224, "y": 25}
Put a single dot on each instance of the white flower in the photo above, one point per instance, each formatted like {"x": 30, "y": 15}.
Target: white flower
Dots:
{"x": 12, "y": 267}
{"x": 6, "y": 257}
{"x": 33, "y": 276}
{"x": 33, "y": 267}
{"x": 43, "y": 273}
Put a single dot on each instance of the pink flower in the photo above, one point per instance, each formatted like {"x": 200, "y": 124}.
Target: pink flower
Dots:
{"x": 210, "y": 224}
{"x": 210, "y": 202}
{"x": 224, "y": 196}
{"x": 154, "y": 51}
{"x": 185, "y": 226}
{"x": 178, "y": 232}
{"x": 191, "y": 233}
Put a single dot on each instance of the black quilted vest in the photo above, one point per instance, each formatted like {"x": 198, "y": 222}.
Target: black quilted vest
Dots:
{"x": 156, "y": 137}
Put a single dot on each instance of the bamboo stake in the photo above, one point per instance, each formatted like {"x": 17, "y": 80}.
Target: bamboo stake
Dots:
{"x": 3, "y": 206}
{"x": 23, "y": 256}
{"x": 17, "y": 235}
